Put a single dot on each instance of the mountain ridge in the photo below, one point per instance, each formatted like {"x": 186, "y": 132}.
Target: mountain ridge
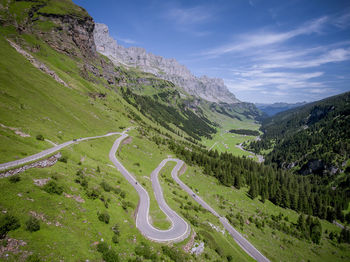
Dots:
{"x": 210, "y": 89}
{"x": 275, "y": 108}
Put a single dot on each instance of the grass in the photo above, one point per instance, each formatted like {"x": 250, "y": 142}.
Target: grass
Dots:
{"x": 141, "y": 157}
{"x": 274, "y": 244}
{"x": 80, "y": 225}
{"x": 224, "y": 141}
{"x": 181, "y": 202}
{"x": 148, "y": 156}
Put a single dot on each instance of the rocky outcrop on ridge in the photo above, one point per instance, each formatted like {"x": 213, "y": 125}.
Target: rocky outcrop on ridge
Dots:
{"x": 210, "y": 89}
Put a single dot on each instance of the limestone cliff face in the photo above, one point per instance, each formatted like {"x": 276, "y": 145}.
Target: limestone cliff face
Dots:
{"x": 210, "y": 89}
{"x": 67, "y": 28}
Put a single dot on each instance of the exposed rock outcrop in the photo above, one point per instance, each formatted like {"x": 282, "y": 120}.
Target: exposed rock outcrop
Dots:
{"x": 210, "y": 89}
{"x": 37, "y": 64}
{"x": 39, "y": 164}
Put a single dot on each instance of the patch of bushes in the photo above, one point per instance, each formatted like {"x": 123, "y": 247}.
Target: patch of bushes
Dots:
{"x": 15, "y": 178}
{"x": 7, "y": 223}
{"x": 116, "y": 231}
{"x": 106, "y": 187}
{"x": 102, "y": 247}
{"x": 103, "y": 217}
{"x": 53, "y": 188}
{"x": 174, "y": 254}
{"x": 122, "y": 194}
{"x": 144, "y": 250}
{"x": 33, "y": 258}
{"x": 93, "y": 193}
{"x": 126, "y": 204}
{"x": 32, "y": 224}
{"x": 40, "y": 137}
{"x": 108, "y": 255}
{"x": 63, "y": 159}
{"x": 115, "y": 239}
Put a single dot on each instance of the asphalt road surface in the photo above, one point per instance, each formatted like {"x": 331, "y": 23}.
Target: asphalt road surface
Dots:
{"x": 240, "y": 240}
{"x": 179, "y": 229}
{"x": 48, "y": 152}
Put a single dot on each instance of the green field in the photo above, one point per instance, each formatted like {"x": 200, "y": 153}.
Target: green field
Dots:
{"x": 224, "y": 141}
{"x": 274, "y": 244}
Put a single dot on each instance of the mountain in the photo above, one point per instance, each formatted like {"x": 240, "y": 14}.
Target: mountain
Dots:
{"x": 210, "y": 89}
{"x": 77, "y": 206}
{"x": 311, "y": 139}
{"x": 273, "y": 109}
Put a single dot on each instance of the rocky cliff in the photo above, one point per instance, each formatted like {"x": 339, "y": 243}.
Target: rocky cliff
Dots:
{"x": 210, "y": 89}
{"x": 63, "y": 25}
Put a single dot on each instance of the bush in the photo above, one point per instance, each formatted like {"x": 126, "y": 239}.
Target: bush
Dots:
{"x": 53, "y": 188}
{"x": 32, "y": 224}
{"x": 106, "y": 187}
{"x": 115, "y": 239}
{"x": 63, "y": 159}
{"x": 110, "y": 256}
{"x": 15, "y": 178}
{"x": 93, "y": 193}
{"x": 122, "y": 194}
{"x": 103, "y": 217}
{"x": 116, "y": 229}
{"x": 40, "y": 137}
{"x": 33, "y": 258}
{"x": 102, "y": 247}
{"x": 143, "y": 249}
{"x": 8, "y": 223}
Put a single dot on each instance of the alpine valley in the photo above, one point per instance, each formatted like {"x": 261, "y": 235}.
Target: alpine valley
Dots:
{"x": 112, "y": 153}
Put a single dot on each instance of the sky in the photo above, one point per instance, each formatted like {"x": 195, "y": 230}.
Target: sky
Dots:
{"x": 266, "y": 51}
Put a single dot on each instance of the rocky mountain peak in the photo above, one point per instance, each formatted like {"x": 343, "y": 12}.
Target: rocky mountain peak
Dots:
{"x": 210, "y": 89}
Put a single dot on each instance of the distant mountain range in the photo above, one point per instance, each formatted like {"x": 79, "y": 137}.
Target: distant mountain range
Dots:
{"x": 273, "y": 109}
{"x": 210, "y": 89}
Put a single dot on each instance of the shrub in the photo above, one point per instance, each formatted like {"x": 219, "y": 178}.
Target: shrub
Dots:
{"x": 110, "y": 256}
{"x": 106, "y": 187}
{"x": 116, "y": 190}
{"x": 102, "y": 247}
{"x": 15, "y": 178}
{"x": 40, "y": 137}
{"x": 53, "y": 188}
{"x": 8, "y": 223}
{"x": 32, "y": 224}
{"x": 103, "y": 217}
{"x": 63, "y": 159}
{"x": 122, "y": 194}
{"x": 116, "y": 229}
{"x": 115, "y": 239}
{"x": 93, "y": 193}
{"x": 33, "y": 258}
{"x": 143, "y": 249}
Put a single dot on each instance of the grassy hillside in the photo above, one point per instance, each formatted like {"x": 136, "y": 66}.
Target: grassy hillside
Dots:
{"x": 83, "y": 189}
{"x": 315, "y": 132}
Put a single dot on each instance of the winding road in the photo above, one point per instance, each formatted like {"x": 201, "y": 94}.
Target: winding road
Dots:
{"x": 50, "y": 151}
{"x": 180, "y": 229}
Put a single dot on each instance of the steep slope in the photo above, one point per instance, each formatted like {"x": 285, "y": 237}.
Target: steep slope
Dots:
{"x": 313, "y": 138}
{"x": 86, "y": 208}
{"x": 210, "y": 89}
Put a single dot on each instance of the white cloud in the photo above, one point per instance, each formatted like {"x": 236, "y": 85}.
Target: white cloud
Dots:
{"x": 261, "y": 39}
{"x": 331, "y": 56}
{"x": 190, "y": 16}
{"x": 127, "y": 40}
{"x": 190, "y": 20}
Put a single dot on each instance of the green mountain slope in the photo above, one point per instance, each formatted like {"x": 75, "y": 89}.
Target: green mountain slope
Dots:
{"x": 314, "y": 138}
{"x": 84, "y": 188}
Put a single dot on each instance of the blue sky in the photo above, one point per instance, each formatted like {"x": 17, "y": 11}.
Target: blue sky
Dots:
{"x": 266, "y": 51}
